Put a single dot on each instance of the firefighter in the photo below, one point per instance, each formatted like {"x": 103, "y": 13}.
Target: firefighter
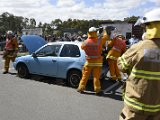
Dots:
{"x": 116, "y": 47}
{"x": 142, "y": 63}
{"x": 93, "y": 49}
{"x": 10, "y": 50}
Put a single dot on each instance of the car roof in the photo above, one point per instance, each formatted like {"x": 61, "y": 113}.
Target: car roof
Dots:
{"x": 65, "y": 42}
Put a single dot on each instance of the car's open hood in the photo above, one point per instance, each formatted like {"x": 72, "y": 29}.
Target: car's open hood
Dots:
{"x": 33, "y": 42}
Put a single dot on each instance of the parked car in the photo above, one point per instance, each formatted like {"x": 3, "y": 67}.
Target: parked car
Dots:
{"x": 62, "y": 60}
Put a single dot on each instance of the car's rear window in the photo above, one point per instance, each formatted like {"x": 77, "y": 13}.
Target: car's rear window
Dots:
{"x": 70, "y": 50}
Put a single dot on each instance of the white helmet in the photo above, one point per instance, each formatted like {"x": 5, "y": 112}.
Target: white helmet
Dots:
{"x": 9, "y": 32}
{"x": 151, "y": 16}
{"x": 92, "y": 29}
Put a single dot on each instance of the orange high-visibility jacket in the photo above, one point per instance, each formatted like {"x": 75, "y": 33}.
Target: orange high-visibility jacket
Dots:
{"x": 96, "y": 45}
{"x": 11, "y": 44}
{"x": 93, "y": 48}
{"x": 118, "y": 48}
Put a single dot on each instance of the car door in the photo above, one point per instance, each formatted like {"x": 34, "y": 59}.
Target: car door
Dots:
{"x": 45, "y": 61}
{"x": 69, "y": 58}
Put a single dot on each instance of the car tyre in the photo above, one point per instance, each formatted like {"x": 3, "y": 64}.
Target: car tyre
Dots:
{"x": 22, "y": 71}
{"x": 74, "y": 78}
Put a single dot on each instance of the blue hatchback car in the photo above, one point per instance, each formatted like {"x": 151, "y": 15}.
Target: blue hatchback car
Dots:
{"x": 62, "y": 60}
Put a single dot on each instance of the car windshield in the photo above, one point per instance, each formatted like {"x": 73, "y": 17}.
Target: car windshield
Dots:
{"x": 50, "y": 50}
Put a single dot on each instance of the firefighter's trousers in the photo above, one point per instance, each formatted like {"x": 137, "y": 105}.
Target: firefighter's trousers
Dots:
{"x": 128, "y": 114}
{"x": 113, "y": 68}
{"x": 7, "y": 62}
{"x": 86, "y": 72}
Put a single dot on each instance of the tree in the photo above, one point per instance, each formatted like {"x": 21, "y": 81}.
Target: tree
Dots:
{"x": 40, "y": 25}
{"x": 25, "y": 23}
{"x": 16, "y": 23}
{"x": 132, "y": 19}
{"x": 56, "y": 24}
{"x": 18, "y": 26}
{"x": 32, "y": 23}
{"x": 6, "y": 20}
{"x": 10, "y": 22}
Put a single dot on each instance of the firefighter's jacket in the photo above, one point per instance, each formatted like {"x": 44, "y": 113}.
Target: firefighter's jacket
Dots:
{"x": 11, "y": 48}
{"x": 93, "y": 49}
{"x": 142, "y": 62}
{"x": 11, "y": 44}
{"x": 118, "y": 47}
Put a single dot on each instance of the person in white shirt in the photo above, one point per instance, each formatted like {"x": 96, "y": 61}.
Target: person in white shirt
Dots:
{"x": 133, "y": 40}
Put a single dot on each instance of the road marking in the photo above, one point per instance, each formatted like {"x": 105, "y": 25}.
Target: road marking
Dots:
{"x": 111, "y": 87}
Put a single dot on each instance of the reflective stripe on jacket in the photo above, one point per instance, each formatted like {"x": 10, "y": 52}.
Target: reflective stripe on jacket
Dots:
{"x": 142, "y": 62}
{"x": 93, "y": 64}
{"x": 111, "y": 57}
{"x": 147, "y": 75}
{"x": 140, "y": 106}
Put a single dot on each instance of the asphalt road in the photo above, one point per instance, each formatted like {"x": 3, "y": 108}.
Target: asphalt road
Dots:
{"x": 42, "y": 98}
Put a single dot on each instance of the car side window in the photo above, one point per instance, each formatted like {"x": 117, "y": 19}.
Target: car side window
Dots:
{"x": 70, "y": 51}
{"x": 50, "y": 50}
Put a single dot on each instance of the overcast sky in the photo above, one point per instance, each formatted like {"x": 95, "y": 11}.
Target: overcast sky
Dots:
{"x": 48, "y": 10}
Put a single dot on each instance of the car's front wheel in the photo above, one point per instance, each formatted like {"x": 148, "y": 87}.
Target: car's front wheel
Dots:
{"x": 22, "y": 71}
{"x": 74, "y": 78}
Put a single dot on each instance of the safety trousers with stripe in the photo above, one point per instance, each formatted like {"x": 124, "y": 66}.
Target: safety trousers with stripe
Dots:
{"x": 95, "y": 69}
